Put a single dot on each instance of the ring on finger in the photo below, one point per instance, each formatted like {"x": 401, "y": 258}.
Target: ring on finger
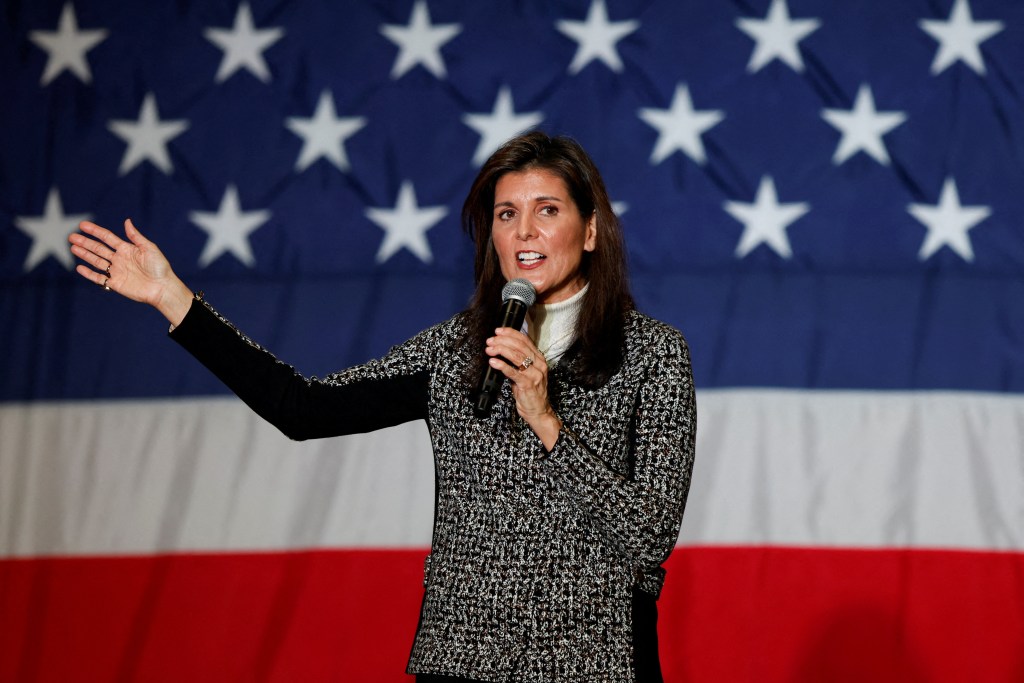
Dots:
{"x": 105, "y": 286}
{"x": 527, "y": 362}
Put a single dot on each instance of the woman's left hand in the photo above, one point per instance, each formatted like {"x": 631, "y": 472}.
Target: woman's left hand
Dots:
{"x": 529, "y": 381}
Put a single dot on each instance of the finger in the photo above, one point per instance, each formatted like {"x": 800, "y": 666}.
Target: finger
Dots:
{"x": 112, "y": 241}
{"x": 509, "y": 333}
{"x": 91, "y": 245}
{"x": 512, "y": 351}
{"x": 93, "y": 242}
{"x": 93, "y": 259}
{"x": 525, "y": 371}
{"x": 91, "y": 275}
{"x": 133, "y": 233}
{"x": 521, "y": 355}
{"x": 518, "y": 340}
{"x": 506, "y": 336}
{"x": 504, "y": 368}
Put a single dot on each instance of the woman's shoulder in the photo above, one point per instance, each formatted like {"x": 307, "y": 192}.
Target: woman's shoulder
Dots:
{"x": 645, "y": 334}
{"x": 642, "y": 325}
{"x": 456, "y": 324}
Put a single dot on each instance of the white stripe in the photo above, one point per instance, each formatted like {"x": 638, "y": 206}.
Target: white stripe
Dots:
{"x": 860, "y": 469}
{"x": 201, "y": 474}
{"x": 868, "y": 469}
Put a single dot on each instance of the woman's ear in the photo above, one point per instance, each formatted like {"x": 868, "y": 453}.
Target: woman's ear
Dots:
{"x": 590, "y": 243}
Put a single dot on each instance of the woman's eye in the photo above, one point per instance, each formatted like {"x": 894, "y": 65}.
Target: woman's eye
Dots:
{"x": 549, "y": 211}
{"x": 505, "y": 215}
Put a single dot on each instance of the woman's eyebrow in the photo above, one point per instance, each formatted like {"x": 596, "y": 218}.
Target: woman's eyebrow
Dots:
{"x": 541, "y": 198}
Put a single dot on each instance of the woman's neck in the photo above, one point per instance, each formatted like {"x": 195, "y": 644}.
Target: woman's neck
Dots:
{"x": 553, "y": 326}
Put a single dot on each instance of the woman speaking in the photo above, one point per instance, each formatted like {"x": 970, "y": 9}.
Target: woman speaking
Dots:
{"x": 556, "y": 507}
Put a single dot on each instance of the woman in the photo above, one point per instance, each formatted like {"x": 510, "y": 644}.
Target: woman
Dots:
{"x": 553, "y": 513}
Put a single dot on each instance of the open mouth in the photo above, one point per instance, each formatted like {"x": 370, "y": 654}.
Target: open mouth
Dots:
{"x": 530, "y": 258}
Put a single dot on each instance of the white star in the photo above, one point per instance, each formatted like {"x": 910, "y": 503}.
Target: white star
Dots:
{"x": 243, "y": 45}
{"x": 500, "y": 125}
{"x": 147, "y": 138}
{"x": 597, "y": 37}
{"x": 680, "y": 126}
{"x": 765, "y": 221}
{"x": 420, "y": 42}
{"x": 49, "y": 232}
{"x": 67, "y": 46}
{"x": 406, "y": 225}
{"x": 777, "y": 36}
{"x": 863, "y": 127}
{"x": 960, "y": 37}
{"x": 324, "y": 135}
{"x": 228, "y": 230}
{"x": 948, "y": 223}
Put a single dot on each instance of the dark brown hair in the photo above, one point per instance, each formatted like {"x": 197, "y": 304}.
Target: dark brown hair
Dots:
{"x": 597, "y": 353}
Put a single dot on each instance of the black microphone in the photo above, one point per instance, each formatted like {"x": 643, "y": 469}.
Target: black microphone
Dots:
{"x": 516, "y": 298}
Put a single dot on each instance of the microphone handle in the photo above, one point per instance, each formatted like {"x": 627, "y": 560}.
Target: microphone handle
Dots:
{"x": 513, "y": 313}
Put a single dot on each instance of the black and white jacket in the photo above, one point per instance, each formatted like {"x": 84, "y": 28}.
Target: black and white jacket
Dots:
{"x": 535, "y": 555}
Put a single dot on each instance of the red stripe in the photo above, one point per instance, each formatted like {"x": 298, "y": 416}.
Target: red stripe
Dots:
{"x": 727, "y": 614}
{"x": 313, "y": 616}
{"x": 784, "y": 614}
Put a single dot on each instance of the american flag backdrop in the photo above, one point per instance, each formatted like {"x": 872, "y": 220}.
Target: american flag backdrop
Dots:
{"x": 825, "y": 197}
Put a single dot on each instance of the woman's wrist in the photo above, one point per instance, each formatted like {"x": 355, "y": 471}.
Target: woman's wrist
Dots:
{"x": 175, "y": 301}
{"x": 547, "y": 426}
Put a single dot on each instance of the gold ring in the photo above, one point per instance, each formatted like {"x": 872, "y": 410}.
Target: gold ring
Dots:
{"x": 527, "y": 362}
{"x": 104, "y": 285}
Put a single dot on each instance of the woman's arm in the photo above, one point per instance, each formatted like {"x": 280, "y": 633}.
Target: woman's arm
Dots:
{"x": 378, "y": 394}
{"x": 640, "y": 515}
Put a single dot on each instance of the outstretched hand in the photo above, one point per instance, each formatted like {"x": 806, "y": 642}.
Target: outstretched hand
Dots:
{"x": 136, "y": 268}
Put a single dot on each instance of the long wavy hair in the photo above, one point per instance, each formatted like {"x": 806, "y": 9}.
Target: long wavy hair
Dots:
{"x": 597, "y": 353}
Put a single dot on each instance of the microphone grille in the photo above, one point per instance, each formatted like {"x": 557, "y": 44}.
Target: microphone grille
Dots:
{"x": 519, "y": 289}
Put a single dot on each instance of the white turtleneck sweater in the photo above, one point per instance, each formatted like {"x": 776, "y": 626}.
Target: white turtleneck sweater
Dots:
{"x": 552, "y": 327}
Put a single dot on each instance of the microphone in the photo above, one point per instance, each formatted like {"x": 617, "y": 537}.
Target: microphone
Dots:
{"x": 516, "y": 298}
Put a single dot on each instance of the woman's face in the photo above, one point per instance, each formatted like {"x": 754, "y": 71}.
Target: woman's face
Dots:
{"x": 539, "y": 234}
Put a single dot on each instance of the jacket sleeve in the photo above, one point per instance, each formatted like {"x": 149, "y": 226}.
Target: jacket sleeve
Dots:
{"x": 641, "y": 514}
{"x": 381, "y": 393}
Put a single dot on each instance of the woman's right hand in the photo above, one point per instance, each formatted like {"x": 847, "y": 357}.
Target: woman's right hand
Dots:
{"x": 136, "y": 268}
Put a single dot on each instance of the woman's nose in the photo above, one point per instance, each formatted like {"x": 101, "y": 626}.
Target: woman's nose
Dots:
{"x": 524, "y": 228}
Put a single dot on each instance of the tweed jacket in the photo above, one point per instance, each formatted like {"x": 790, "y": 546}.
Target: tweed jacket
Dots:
{"x": 534, "y": 554}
